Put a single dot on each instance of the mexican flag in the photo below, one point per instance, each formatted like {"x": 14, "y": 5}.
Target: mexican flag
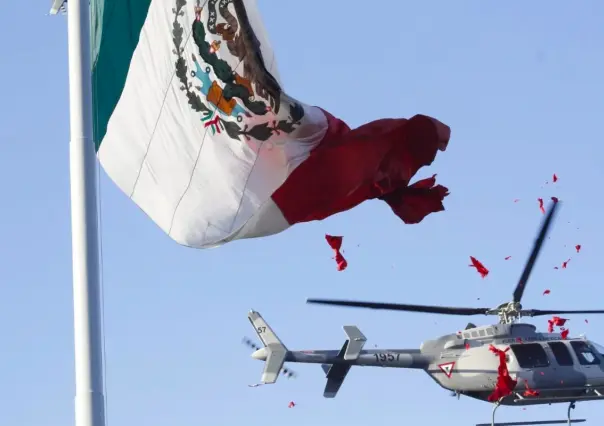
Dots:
{"x": 192, "y": 122}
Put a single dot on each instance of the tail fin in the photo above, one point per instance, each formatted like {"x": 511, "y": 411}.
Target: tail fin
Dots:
{"x": 276, "y": 350}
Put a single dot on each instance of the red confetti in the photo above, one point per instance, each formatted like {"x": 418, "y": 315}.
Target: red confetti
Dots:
{"x": 508, "y": 257}
{"x": 555, "y": 322}
{"x": 578, "y": 248}
{"x": 555, "y": 178}
{"x": 505, "y": 384}
{"x": 336, "y": 244}
{"x": 291, "y": 404}
{"x": 467, "y": 346}
{"x": 564, "y": 334}
{"x": 555, "y": 199}
{"x": 540, "y": 200}
{"x": 564, "y": 264}
{"x": 555, "y": 267}
{"x": 516, "y": 200}
{"x": 529, "y": 391}
{"x": 480, "y": 268}
{"x": 547, "y": 291}
{"x": 519, "y": 339}
{"x": 586, "y": 322}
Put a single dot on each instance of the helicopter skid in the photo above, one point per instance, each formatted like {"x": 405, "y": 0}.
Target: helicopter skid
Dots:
{"x": 537, "y": 422}
{"x": 568, "y": 420}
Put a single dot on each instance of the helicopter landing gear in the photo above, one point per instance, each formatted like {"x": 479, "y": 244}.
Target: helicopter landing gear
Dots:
{"x": 497, "y": 404}
{"x": 568, "y": 421}
{"x": 571, "y": 406}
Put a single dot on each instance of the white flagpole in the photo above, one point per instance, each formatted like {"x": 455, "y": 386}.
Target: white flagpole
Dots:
{"x": 89, "y": 389}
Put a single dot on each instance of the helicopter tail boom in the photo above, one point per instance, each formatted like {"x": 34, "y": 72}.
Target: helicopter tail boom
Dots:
{"x": 335, "y": 363}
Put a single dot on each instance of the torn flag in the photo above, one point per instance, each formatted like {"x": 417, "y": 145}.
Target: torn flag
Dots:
{"x": 193, "y": 124}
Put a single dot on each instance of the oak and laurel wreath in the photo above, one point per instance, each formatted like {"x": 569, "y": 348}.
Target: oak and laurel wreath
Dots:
{"x": 261, "y": 132}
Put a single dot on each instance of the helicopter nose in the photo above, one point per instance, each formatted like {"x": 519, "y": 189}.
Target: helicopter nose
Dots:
{"x": 260, "y": 354}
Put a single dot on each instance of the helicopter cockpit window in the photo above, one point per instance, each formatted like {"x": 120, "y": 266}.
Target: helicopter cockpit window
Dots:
{"x": 585, "y": 354}
{"x": 530, "y": 355}
{"x": 598, "y": 348}
{"x": 561, "y": 353}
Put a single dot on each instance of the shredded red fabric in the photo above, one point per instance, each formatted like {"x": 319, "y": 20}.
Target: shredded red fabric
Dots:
{"x": 555, "y": 178}
{"x": 519, "y": 339}
{"x": 467, "y": 346}
{"x": 564, "y": 334}
{"x": 547, "y": 291}
{"x": 578, "y": 248}
{"x": 540, "y": 200}
{"x": 505, "y": 384}
{"x": 508, "y": 257}
{"x": 291, "y": 404}
{"x": 335, "y": 242}
{"x": 417, "y": 201}
{"x": 480, "y": 268}
{"x": 528, "y": 391}
{"x": 377, "y": 160}
{"x": 564, "y": 264}
{"x": 555, "y": 322}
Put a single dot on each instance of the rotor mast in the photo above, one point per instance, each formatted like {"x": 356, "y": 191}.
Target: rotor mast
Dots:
{"x": 508, "y": 313}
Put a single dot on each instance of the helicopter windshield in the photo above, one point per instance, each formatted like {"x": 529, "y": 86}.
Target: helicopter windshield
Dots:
{"x": 598, "y": 348}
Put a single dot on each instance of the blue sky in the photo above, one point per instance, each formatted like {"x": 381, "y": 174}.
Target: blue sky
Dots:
{"x": 520, "y": 84}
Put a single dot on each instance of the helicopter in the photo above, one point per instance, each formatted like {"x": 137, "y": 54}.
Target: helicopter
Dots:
{"x": 562, "y": 369}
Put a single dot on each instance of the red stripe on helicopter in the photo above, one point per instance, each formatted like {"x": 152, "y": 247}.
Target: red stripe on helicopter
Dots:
{"x": 447, "y": 368}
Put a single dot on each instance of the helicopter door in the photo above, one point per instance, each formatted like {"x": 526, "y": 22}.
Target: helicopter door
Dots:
{"x": 534, "y": 363}
{"x": 589, "y": 361}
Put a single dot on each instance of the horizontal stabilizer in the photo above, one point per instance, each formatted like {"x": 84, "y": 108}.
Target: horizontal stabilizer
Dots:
{"x": 335, "y": 378}
{"x": 336, "y": 373}
{"x": 356, "y": 341}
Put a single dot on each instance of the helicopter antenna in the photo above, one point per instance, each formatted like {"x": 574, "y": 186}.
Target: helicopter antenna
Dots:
{"x": 507, "y": 312}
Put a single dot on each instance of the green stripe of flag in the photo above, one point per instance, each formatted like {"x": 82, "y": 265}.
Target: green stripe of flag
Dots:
{"x": 115, "y": 26}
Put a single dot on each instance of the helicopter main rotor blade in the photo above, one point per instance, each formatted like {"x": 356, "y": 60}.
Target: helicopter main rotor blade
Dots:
{"x": 446, "y": 310}
{"x": 528, "y": 268}
{"x": 540, "y": 312}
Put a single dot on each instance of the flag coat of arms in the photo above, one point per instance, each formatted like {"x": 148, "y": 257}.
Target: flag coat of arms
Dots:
{"x": 191, "y": 121}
